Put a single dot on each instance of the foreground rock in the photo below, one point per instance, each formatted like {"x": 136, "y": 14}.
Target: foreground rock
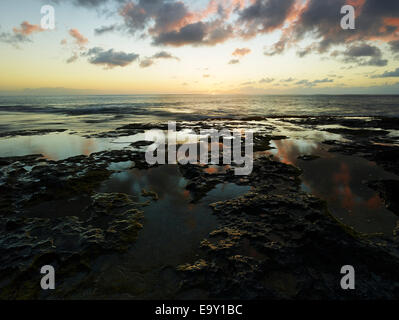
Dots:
{"x": 275, "y": 242}
{"x": 52, "y": 215}
{"x": 279, "y": 243}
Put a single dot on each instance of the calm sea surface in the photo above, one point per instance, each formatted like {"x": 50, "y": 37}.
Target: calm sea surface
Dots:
{"x": 33, "y": 112}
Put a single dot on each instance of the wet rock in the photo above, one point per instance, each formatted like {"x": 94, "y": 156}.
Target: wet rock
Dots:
{"x": 308, "y": 157}
{"x": 262, "y": 142}
{"x": 388, "y": 191}
{"x": 385, "y": 123}
{"x": 360, "y": 133}
{"x": 386, "y": 156}
{"x": 150, "y": 194}
{"x": 70, "y": 244}
{"x": 277, "y": 242}
{"x": 31, "y": 132}
{"x": 139, "y": 144}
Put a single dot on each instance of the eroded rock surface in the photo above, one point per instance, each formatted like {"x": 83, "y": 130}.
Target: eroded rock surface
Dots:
{"x": 275, "y": 242}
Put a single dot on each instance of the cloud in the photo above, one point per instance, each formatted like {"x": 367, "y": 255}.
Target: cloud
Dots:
{"x": 266, "y": 80}
{"x": 110, "y": 58}
{"x": 198, "y": 33}
{"x": 388, "y": 74}
{"x": 307, "y": 83}
{"x": 304, "y": 52}
{"x": 363, "y": 55}
{"x": 13, "y": 39}
{"x": 241, "y": 52}
{"x": 190, "y": 34}
{"x": 176, "y": 23}
{"x": 394, "y": 45}
{"x": 265, "y": 16}
{"x": 147, "y": 62}
{"x": 84, "y": 3}
{"x": 21, "y": 34}
{"x": 288, "y": 80}
{"x": 320, "y": 20}
{"x": 172, "y": 23}
{"x": 234, "y": 61}
{"x": 166, "y": 16}
{"x": 73, "y": 58}
{"x": 206, "y": 76}
{"x": 164, "y": 55}
{"x": 105, "y": 29}
{"x": 26, "y": 29}
{"x": 79, "y": 43}
{"x": 79, "y": 38}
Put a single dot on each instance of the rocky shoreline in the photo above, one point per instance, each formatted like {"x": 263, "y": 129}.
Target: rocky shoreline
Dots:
{"x": 274, "y": 242}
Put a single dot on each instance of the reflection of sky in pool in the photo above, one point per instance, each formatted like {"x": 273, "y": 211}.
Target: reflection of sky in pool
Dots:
{"x": 173, "y": 225}
{"x": 55, "y": 146}
{"x": 341, "y": 181}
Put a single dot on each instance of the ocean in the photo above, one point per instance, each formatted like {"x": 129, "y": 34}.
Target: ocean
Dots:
{"x": 86, "y": 112}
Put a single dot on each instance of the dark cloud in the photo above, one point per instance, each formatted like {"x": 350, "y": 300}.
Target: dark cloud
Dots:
{"x": 105, "y": 29}
{"x": 373, "y": 22}
{"x": 169, "y": 16}
{"x": 388, "y": 74}
{"x": 218, "y": 32}
{"x": 394, "y": 45}
{"x": 190, "y": 34}
{"x": 265, "y": 15}
{"x": 172, "y": 23}
{"x": 175, "y": 23}
{"x": 166, "y": 15}
{"x": 320, "y": 20}
{"x": 363, "y": 55}
{"x": 198, "y": 33}
{"x": 110, "y": 58}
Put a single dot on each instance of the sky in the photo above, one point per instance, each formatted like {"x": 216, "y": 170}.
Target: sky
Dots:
{"x": 202, "y": 46}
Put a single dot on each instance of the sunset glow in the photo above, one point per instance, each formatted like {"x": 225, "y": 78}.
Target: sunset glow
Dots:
{"x": 214, "y": 47}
